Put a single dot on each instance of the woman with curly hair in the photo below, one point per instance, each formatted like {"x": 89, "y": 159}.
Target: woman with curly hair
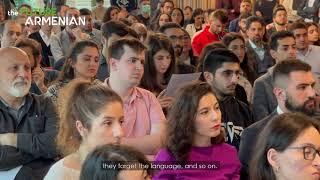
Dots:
{"x": 195, "y": 136}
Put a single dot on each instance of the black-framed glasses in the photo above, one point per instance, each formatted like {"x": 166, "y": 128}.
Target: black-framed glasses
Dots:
{"x": 309, "y": 152}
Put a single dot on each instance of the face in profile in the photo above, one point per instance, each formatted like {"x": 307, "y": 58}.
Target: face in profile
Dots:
{"x": 208, "y": 118}
{"x": 87, "y": 63}
{"x": 106, "y": 128}
{"x": 313, "y": 33}
{"x": 15, "y": 74}
{"x": 11, "y": 33}
{"x": 301, "y": 160}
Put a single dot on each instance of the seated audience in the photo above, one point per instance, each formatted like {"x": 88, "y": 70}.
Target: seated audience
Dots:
{"x": 293, "y": 86}
{"x": 313, "y": 33}
{"x": 99, "y": 10}
{"x": 144, "y": 119}
{"x": 90, "y": 115}
{"x": 82, "y": 63}
{"x": 177, "y": 16}
{"x": 145, "y": 12}
{"x": 221, "y": 69}
{"x": 196, "y": 22}
{"x": 245, "y": 8}
{"x": 28, "y": 123}
{"x": 160, "y": 21}
{"x": 280, "y": 20}
{"x": 187, "y": 56}
{"x": 235, "y": 43}
{"x": 11, "y": 32}
{"x": 288, "y": 148}
{"x": 282, "y": 47}
{"x": 212, "y": 32}
{"x": 111, "y": 31}
{"x": 194, "y": 134}
{"x": 40, "y": 77}
{"x": 112, "y": 154}
{"x": 111, "y": 14}
{"x": 158, "y": 67}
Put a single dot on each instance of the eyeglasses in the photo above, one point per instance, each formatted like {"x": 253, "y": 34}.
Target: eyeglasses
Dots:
{"x": 309, "y": 152}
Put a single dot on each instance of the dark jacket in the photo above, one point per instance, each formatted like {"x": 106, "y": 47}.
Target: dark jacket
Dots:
{"x": 264, "y": 101}
{"x": 36, "y": 130}
{"x": 46, "y": 52}
{"x": 248, "y": 141}
{"x": 236, "y": 116}
{"x": 103, "y": 71}
{"x": 266, "y": 8}
{"x": 234, "y": 25}
{"x": 259, "y": 66}
{"x": 309, "y": 12}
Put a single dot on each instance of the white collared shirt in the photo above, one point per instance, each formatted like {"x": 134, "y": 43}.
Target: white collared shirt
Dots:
{"x": 279, "y": 111}
{"x": 45, "y": 38}
{"x": 260, "y": 51}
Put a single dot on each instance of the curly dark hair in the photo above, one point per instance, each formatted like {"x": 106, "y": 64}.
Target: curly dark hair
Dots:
{"x": 181, "y": 118}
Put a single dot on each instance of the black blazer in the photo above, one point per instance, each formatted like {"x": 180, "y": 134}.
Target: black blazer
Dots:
{"x": 248, "y": 141}
{"x": 46, "y": 52}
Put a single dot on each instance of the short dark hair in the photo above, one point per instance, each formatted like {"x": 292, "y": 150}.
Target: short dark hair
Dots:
{"x": 244, "y": 15}
{"x": 169, "y": 25}
{"x": 284, "y": 68}
{"x": 214, "y": 59}
{"x": 205, "y": 50}
{"x": 221, "y": 15}
{"x": 297, "y": 25}
{"x": 188, "y": 7}
{"x": 107, "y": 14}
{"x": 85, "y": 12}
{"x": 195, "y": 13}
{"x": 278, "y": 35}
{"x": 277, "y": 8}
{"x": 278, "y": 134}
{"x": 253, "y": 19}
{"x": 111, "y": 154}
{"x": 165, "y": 1}
{"x": 118, "y": 28}
{"x": 228, "y": 38}
{"x": 27, "y": 42}
{"x": 116, "y": 49}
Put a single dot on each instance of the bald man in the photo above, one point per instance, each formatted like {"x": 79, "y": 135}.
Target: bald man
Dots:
{"x": 11, "y": 32}
{"x": 27, "y": 122}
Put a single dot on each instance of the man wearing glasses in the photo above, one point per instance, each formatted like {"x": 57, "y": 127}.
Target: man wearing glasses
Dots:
{"x": 293, "y": 86}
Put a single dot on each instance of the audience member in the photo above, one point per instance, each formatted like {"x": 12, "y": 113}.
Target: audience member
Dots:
{"x": 280, "y": 20}
{"x": 213, "y": 32}
{"x": 162, "y": 19}
{"x": 11, "y": 32}
{"x": 82, "y": 63}
{"x": 187, "y": 13}
{"x": 196, "y": 22}
{"x": 28, "y": 122}
{"x": 309, "y": 10}
{"x": 90, "y": 115}
{"x": 264, "y": 9}
{"x": 235, "y": 43}
{"x": 282, "y": 47}
{"x": 231, "y": 6}
{"x": 112, "y": 154}
{"x": 287, "y": 148}
{"x": 293, "y": 86}
{"x": 245, "y": 7}
{"x": 158, "y": 68}
{"x": 313, "y": 33}
{"x": 259, "y": 58}
{"x": 177, "y": 16}
{"x": 145, "y": 12}
{"x": 111, "y": 14}
{"x": 195, "y": 135}
{"x": 221, "y": 68}
{"x": 99, "y": 10}
{"x": 144, "y": 119}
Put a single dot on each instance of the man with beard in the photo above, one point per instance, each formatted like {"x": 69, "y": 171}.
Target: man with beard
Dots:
{"x": 174, "y": 32}
{"x": 259, "y": 58}
{"x": 11, "y": 32}
{"x": 280, "y": 20}
{"x": 211, "y": 33}
{"x": 245, "y": 8}
{"x": 143, "y": 116}
{"x": 282, "y": 47}
{"x": 27, "y": 122}
{"x": 94, "y": 34}
{"x": 221, "y": 69}
{"x": 293, "y": 86}
{"x": 242, "y": 21}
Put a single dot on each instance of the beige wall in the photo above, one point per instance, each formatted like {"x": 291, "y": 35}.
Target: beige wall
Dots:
{"x": 204, "y": 4}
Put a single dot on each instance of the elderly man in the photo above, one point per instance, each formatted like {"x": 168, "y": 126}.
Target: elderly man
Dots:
{"x": 27, "y": 122}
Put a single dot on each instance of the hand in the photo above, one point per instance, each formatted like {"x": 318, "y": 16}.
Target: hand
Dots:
{"x": 79, "y": 34}
{"x": 9, "y": 139}
{"x": 38, "y": 78}
{"x": 165, "y": 101}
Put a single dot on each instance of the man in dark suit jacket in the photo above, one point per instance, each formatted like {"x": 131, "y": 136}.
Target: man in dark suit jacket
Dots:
{"x": 245, "y": 7}
{"x": 259, "y": 58}
{"x": 282, "y": 46}
{"x": 293, "y": 84}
